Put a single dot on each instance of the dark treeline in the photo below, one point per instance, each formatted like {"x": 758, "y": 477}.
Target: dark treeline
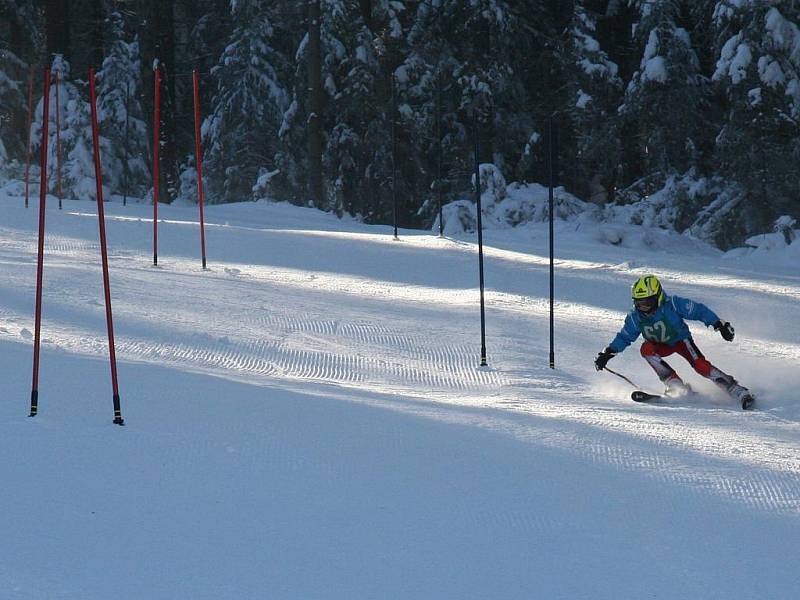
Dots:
{"x": 299, "y": 97}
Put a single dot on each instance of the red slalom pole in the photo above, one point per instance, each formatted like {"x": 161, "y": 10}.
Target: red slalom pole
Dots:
{"x": 198, "y": 152}
{"x": 30, "y": 121}
{"x": 40, "y": 259}
{"x": 98, "y": 176}
{"x": 156, "y": 153}
{"x": 58, "y": 140}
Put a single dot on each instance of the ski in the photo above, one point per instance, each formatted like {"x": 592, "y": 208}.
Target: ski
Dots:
{"x": 640, "y": 396}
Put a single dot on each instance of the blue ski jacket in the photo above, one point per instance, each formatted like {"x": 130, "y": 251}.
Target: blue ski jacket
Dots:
{"x": 666, "y": 325}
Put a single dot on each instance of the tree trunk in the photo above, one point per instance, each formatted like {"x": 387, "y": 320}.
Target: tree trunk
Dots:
{"x": 315, "y": 99}
{"x": 157, "y": 42}
{"x": 484, "y": 114}
{"x": 57, "y": 28}
{"x": 366, "y": 12}
{"x": 85, "y": 36}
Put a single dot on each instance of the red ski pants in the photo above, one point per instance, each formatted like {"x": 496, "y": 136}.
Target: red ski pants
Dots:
{"x": 686, "y": 348}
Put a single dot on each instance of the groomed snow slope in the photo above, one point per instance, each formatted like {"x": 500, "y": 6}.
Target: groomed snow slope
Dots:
{"x": 307, "y": 418}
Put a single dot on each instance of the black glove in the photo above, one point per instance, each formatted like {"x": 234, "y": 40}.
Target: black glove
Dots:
{"x": 603, "y": 358}
{"x": 725, "y": 330}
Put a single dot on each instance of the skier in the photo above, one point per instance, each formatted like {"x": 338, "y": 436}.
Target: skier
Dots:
{"x": 659, "y": 318}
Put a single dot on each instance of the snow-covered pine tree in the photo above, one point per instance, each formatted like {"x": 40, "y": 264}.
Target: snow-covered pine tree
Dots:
{"x": 431, "y": 100}
{"x": 12, "y": 103}
{"x": 208, "y": 32}
{"x": 665, "y": 98}
{"x": 292, "y": 180}
{"x": 758, "y": 72}
{"x": 356, "y": 73}
{"x": 77, "y": 160}
{"x": 595, "y": 90}
{"x": 354, "y": 120}
{"x": 83, "y": 25}
{"x": 125, "y": 158}
{"x": 20, "y": 42}
{"x": 480, "y": 50}
{"x": 485, "y": 79}
{"x": 241, "y": 130}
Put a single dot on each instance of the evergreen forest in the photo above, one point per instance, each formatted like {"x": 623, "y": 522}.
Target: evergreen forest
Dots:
{"x": 351, "y": 105}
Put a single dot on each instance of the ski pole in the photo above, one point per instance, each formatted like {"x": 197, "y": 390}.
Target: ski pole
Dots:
{"x": 621, "y": 377}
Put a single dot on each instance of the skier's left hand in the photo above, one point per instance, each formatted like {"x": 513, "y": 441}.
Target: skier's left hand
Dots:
{"x": 725, "y": 330}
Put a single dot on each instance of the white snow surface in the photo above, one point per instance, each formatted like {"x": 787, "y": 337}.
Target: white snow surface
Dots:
{"x": 307, "y": 418}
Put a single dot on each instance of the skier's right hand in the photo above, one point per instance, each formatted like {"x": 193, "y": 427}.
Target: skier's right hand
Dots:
{"x": 602, "y": 358}
{"x": 725, "y": 330}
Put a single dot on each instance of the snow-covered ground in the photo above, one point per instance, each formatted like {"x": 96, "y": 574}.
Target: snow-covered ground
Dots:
{"x": 307, "y": 418}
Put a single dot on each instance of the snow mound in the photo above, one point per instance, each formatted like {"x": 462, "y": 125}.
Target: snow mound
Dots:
{"x": 506, "y": 206}
{"x": 780, "y": 247}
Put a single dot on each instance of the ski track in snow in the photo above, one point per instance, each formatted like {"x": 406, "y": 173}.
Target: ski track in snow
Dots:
{"x": 272, "y": 324}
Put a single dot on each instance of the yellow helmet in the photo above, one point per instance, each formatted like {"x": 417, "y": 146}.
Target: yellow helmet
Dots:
{"x": 647, "y": 293}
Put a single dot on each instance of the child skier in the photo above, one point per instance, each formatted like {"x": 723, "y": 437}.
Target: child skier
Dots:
{"x": 660, "y": 320}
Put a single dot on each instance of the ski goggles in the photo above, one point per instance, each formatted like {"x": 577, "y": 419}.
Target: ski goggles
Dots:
{"x": 646, "y": 305}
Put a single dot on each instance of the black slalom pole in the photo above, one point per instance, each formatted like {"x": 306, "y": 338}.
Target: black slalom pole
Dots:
{"x": 439, "y": 151}
{"x": 393, "y": 109}
{"x": 480, "y": 243}
{"x": 552, "y": 141}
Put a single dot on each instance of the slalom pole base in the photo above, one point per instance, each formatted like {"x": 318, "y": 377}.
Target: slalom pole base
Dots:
{"x": 204, "y": 265}
{"x": 34, "y": 403}
{"x": 155, "y": 260}
{"x": 117, "y": 411}
{"x": 59, "y": 204}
